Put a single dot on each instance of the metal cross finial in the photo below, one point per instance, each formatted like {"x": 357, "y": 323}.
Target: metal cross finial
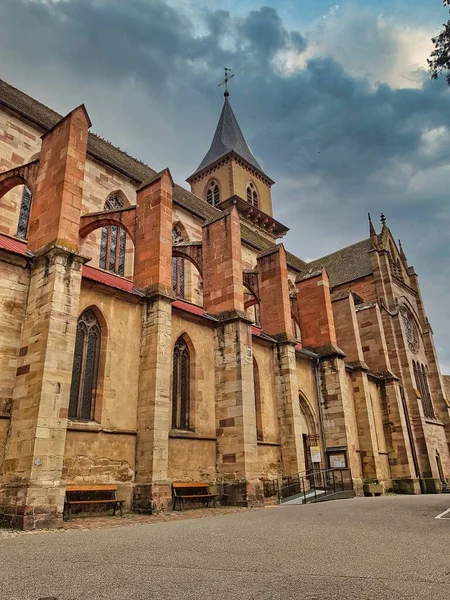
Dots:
{"x": 383, "y": 219}
{"x": 228, "y": 76}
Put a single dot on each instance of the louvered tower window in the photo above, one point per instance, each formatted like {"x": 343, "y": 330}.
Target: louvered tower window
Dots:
{"x": 177, "y": 266}
{"x": 24, "y": 215}
{"x": 252, "y": 195}
{"x": 213, "y": 193}
{"x": 113, "y": 242}
{"x": 180, "y": 385}
{"x": 85, "y": 368}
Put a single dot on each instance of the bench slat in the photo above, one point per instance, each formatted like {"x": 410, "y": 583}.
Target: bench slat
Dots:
{"x": 94, "y": 501}
{"x": 189, "y": 485}
{"x": 91, "y": 488}
{"x": 187, "y": 496}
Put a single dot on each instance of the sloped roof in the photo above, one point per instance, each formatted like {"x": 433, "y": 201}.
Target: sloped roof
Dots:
{"x": 14, "y": 245}
{"x": 107, "y": 153}
{"x": 345, "y": 265}
{"x": 228, "y": 138}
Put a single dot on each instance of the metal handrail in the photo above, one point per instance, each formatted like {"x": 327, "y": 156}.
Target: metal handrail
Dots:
{"x": 324, "y": 481}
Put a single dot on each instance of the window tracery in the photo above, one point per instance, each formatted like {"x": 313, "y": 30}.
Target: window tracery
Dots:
{"x": 181, "y": 385}
{"x": 411, "y": 331}
{"x": 85, "y": 367}
{"x": 113, "y": 242}
{"x": 213, "y": 193}
{"x": 252, "y": 195}
{"x": 178, "y": 271}
{"x": 24, "y": 215}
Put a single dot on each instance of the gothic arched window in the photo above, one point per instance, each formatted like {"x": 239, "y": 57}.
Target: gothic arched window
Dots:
{"x": 85, "y": 367}
{"x": 24, "y": 215}
{"x": 258, "y": 403}
{"x": 177, "y": 266}
{"x": 113, "y": 242}
{"x": 422, "y": 386}
{"x": 180, "y": 385}
{"x": 213, "y": 193}
{"x": 252, "y": 195}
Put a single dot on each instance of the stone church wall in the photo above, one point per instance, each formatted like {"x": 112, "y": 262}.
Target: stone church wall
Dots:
{"x": 13, "y": 294}
{"x": 364, "y": 288}
{"x": 103, "y": 451}
{"x": 192, "y": 455}
{"x": 19, "y": 142}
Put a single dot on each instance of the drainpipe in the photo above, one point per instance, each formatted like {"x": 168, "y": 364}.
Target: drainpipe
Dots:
{"x": 320, "y": 405}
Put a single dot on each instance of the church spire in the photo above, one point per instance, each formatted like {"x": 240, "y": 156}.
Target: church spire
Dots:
{"x": 228, "y": 138}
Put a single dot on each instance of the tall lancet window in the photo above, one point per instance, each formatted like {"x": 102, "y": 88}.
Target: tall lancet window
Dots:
{"x": 24, "y": 215}
{"x": 213, "y": 193}
{"x": 180, "y": 385}
{"x": 113, "y": 242}
{"x": 252, "y": 195}
{"x": 177, "y": 266}
{"x": 85, "y": 368}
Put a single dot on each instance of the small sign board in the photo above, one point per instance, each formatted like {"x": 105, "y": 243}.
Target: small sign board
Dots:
{"x": 338, "y": 461}
{"x": 315, "y": 454}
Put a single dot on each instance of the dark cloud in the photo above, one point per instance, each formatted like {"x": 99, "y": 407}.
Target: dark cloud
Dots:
{"x": 337, "y": 144}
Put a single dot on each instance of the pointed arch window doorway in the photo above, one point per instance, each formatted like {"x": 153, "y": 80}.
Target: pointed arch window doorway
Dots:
{"x": 178, "y": 271}
{"x": 213, "y": 193}
{"x": 252, "y": 195}
{"x": 181, "y": 385}
{"x": 113, "y": 242}
{"x": 24, "y": 215}
{"x": 85, "y": 367}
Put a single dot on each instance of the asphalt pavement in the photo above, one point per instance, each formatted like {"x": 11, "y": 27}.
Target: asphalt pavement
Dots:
{"x": 357, "y": 549}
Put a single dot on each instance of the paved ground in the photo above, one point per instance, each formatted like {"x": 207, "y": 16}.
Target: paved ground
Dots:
{"x": 359, "y": 549}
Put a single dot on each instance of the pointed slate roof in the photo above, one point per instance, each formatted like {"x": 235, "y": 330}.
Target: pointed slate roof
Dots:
{"x": 228, "y": 138}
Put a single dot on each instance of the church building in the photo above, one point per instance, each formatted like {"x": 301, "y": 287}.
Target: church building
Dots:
{"x": 152, "y": 335}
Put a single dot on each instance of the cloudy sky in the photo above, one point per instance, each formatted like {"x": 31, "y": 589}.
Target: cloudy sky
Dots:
{"x": 333, "y": 98}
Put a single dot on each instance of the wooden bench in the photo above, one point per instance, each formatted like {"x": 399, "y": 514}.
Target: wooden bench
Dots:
{"x": 183, "y": 492}
{"x": 79, "y": 495}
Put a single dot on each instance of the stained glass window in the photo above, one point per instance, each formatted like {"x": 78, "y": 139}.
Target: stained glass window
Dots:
{"x": 177, "y": 266}
{"x": 180, "y": 386}
{"x": 24, "y": 215}
{"x": 85, "y": 368}
{"x": 113, "y": 242}
{"x": 213, "y": 193}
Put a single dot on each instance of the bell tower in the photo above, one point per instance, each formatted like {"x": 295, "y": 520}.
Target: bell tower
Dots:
{"x": 229, "y": 173}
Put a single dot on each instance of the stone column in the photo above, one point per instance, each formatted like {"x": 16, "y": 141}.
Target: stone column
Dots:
{"x": 153, "y": 274}
{"x": 223, "y": 296}
{"x": 349, "y": 341}
{"x": 276, "y": 321}
{"x": 31, "y": 494}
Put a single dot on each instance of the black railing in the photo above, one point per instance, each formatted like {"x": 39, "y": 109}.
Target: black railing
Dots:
{"x": 310, "y": 485}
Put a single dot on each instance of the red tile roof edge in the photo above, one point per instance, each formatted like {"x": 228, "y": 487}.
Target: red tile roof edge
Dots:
{"x": 110, "y": 280}
{"x": 193, "y": 309}
{"x": 13, "y": 245}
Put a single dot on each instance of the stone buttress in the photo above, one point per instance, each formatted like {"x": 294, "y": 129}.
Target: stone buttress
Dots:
{"x": 223, "y": 297}
{"x": 153, "y": 274}
{"x": 32, "y": 494}
{"x": 276, "y": 321}
{"x": 319, "y": 334}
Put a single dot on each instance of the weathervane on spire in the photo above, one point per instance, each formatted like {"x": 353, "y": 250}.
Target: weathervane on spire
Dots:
{"x": 228, "y": 76}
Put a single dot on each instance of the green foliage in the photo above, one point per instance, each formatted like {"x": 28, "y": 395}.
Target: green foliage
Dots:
{"x": 439, "y": 61}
